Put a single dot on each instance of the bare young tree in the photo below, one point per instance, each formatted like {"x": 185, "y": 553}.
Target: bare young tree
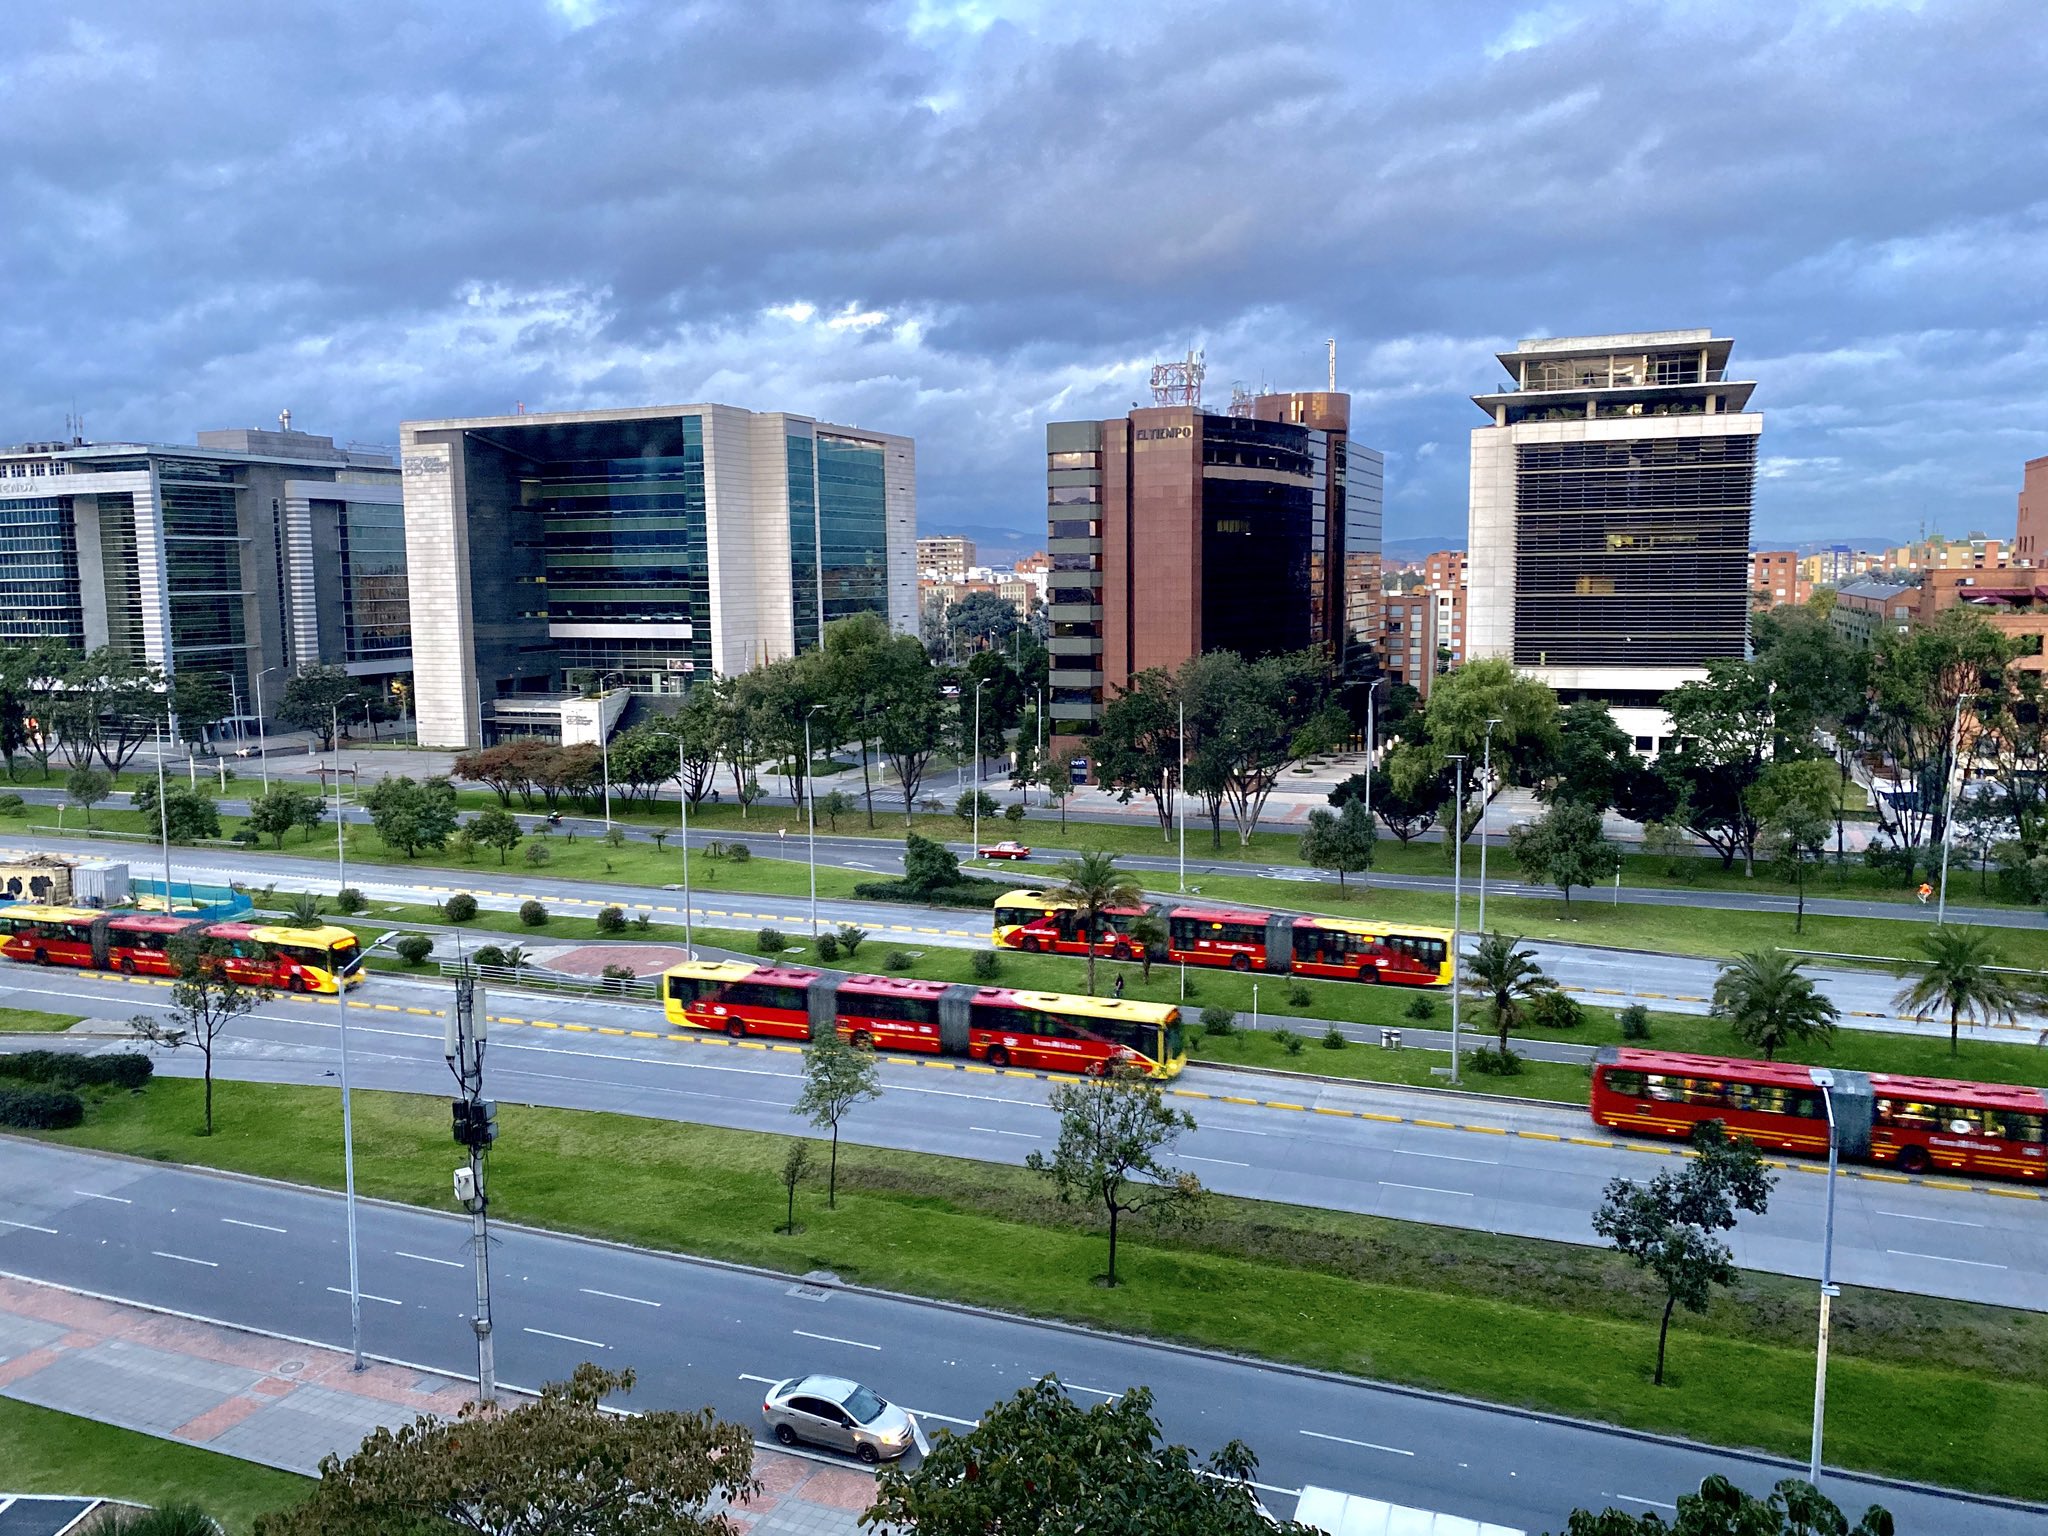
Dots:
{"x": 206, "y": 998}
{"x": 1113, "y": 1132}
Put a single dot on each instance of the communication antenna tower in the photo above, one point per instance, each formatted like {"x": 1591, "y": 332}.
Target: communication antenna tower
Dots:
{"x": 1241, "y": 400}
{"x": 1331, "y": 343}
{"x": 1179, "y": 383}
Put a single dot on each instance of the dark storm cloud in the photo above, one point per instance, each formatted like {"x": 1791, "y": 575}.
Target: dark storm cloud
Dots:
{"x": 956, "y": 220}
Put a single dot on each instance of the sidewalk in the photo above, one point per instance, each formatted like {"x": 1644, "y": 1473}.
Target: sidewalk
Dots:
{"x": 287, "y": 1405}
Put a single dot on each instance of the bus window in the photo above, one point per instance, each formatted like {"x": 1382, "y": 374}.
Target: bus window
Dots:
{"x": 1628, "y": 1084}
{"x": 1017, "y": 917}
{"x": 2015, "y": 1126}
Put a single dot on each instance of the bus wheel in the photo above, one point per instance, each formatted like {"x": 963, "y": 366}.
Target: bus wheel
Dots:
{"x": 1914, "y": 1160}
{"x": 296, "y": 983}
{"x": 862, "y": 1040}
{"x": 1121, "y": 952}
{"x": 1240, "y": 963}
{"x": 737, "y": 1028}
{"x": 127, "y": 965}
{"x": 998, "y": 1057}
{"x": 1028, "y": 944}
{"x": 1368, "y": 974}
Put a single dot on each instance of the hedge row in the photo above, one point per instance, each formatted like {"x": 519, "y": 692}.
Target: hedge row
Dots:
{"x": 123, "y": 1069}
{"x": 40, "y": 1109}
{"x": 966, "y": 893}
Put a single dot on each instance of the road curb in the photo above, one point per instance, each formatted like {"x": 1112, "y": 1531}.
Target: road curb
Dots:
{"x": 1078, "y": 1330}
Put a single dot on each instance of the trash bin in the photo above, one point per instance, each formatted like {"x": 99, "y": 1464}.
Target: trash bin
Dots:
{"x": 1390, "y": 1039}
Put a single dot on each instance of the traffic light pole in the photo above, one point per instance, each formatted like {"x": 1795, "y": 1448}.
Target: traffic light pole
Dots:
{"x": 476, "y": 1127}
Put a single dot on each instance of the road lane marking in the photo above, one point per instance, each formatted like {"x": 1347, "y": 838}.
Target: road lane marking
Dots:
{"x": 1236, "y": 1130}
{"x": 615, "y": 1296}
{"x": 1370, "y": 1445}
{"x": 1444, "y": 1157}
{"x": 426, "y": 1258}
{"x": 1940, "y": 1258}
{"x": 833, "y": 1339}
{"x": 990, "y": 1130}
{"x": 567, "y": 1338}
{"x": 1075, "y": 1386}
{"x": 926, "y": 1413}
{"x": 342, "y": 1290}
{"x": 766, "y": 1381}
{"x": 27, "y": 1226}
{"x": 259, "y": 1226}
{"x": 1429, "y": 1189}
{"x": 1629, "y": 1498}
{"x": 91, "y": 1194}
{"x": 181, "y": 1258}
{"x": 1228, "y": 1162}
{"x": 1946, "y": 1221}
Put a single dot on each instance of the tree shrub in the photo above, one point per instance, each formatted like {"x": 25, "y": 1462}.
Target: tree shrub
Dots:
{"x": 619, "y": 975}
{"x": 1421, "y": 1008}
{"x": 1297, "y": 995}
{"x": 532, "y": 913}
{"x": 40, "y": 1109}
{"x": 1219, "y": 1020}
{"x": 828, "y": 948}
{"x": 1634, "y": 1021}
{"x": 414, "y": 948}
{"x": 12, "y": 804}
{"x": 490, "y": 954}
{"x": 850, "y": 939}
{"x": 898, "y": 960}
{"x": 1333, "y": 1039}
{"x": 349, "y": 900}
{"x": 1014, "y": 812}
{"x": 1288, "y": 1041}
{"x": 459, "y": 908}
{"x": 1489, "y": 1061}
{"x": 986, "y": 964}
{"x": 61, "y": 1069}
{"x": 739, "y": 853}
{"x": 1556, "y": 1010}
{"x": 611, "y": 919}
{"x": 537, "y": 854}
{"x": 769, "y": 941}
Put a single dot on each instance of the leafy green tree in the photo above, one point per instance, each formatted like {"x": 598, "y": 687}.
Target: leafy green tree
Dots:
{"x": 1958, "y": 976}
{"x": 410, "y": 816}
{"x": 311, "y": 812}
{"x": 907, "y": 706}
{"x": 1565, "y": 846}
{"x": 558, "y": 1466}
{"x": 1148, "y": 935}
{"x": 280, "y": 808}
{"x": 1793, "y": 1508}
{"x": 980, "y": 621}
{"x": 1248, "y": 723}
{"x": 34, "y": 680}
{"x": 1340, "y": 841}
{"x": 311, "y": 699}
{"x": 206, "y": 999}
{"x": 1094, "y": 887}
{"x": 112, "y": 703}
{"x": 1039, "y": 1464}
{"x": 1405, "y": 813}
{"x": 189, "y": 814}
{"x": 496, "y": 827}
{"x": 1591, "y": 760}
{"x": 643, "y": 759}
{"x": 1136, "y": 746}
{"x": 832, "y": 805}
{"x": 928, "y": 866}
{"x": 201, "y": 701}
{"x": 1506, "y": 977}
{"x": 1059, "y": 778}
{"x": 1114, "y": 1132}
{"x": 795, "y": 1164}
{"x": 1724, "y": 726}
{"x": 972, "y": 800}
{"x": 1794, "y": 803}
{"x": 87, "y": 787}
{"x": 837, "y": 1077}
{"x": 1667, "y": 1226}
{"x": 1770, "y": 1002}
{"x": 1454, "y": 724}
{"x": 858, "y": 652}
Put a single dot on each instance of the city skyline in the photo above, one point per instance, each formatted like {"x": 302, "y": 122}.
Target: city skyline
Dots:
{"x": 1007, "y": 240}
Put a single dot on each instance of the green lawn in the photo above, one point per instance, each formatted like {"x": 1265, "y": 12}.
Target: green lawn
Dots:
{"x": 1541, "y": 1325}
{"x": 43, "y": 1451}
{"x": 28, "y": 1021}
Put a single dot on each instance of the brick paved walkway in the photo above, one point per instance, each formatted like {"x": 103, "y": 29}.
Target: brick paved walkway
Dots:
{"x": 287, "y": 1405}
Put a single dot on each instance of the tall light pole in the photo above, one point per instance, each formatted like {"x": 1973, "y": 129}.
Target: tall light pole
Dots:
{"x": 1038, "y": 719}
{"x": 1180, "y": 795}
{"x": 340, "y": 810}
{"x": 1372, "y": 724}
{"x": 1825, "y": 1081}
{"x": 476, "y": 1127}
{"x": 977, "y": 765}
{"x": 683, "y": 783}
{"x": 604, "y": 745}
{"x": 1485, "y": 809}
{"x": 1948, "y": 821}
{"x": 163, "y": 817}
{"x": 262, "y": 746}
{"x": 348, "y": 1165}
{"x": 1457, "y": 908}
{"x": 811, "y": 811}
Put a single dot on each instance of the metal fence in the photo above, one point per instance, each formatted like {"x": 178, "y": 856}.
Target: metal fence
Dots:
{"x": 638, "y": 989}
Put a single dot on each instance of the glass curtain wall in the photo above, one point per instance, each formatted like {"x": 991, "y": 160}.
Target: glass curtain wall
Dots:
{"x": 803, "y": 541}
{"x": 39, "y": 597}
{"x": 376, "y": 607}
{"x": 203, "y": 572}
{"x": 853, "y": 565}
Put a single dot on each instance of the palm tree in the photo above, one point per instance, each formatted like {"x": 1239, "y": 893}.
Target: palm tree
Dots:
{"x": 1092, "y": 885}
{"x": 1960, "y": 976}
{"x": 1770, "y": 1002}
{"x": 1147, "y": 933}
{"x": 1506, "y": 976}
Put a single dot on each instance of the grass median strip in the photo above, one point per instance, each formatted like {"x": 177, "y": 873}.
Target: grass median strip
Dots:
{"x": 44, "y": 1451}
{"x": 28, "y": 1021}
{"x": 1946, "y": 1391}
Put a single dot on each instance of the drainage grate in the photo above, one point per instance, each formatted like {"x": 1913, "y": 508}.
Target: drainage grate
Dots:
{"x": 810, "y": 1292}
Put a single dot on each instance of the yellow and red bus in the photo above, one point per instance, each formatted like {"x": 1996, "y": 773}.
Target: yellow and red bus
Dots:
{"x": 1915, "y": 1124}
{"x": 323, "y": 959}
{"x": 997, "y": 1025}
{"x": 1241, "y": 939}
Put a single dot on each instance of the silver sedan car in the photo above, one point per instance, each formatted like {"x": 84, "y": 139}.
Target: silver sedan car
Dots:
{"x": 840, "y": 1414}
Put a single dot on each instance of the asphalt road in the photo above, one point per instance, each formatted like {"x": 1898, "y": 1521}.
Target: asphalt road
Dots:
{"x": 1674, "y": 983}
{"x": 272, "y": 1257}
{"x": 1450, "y": 1160}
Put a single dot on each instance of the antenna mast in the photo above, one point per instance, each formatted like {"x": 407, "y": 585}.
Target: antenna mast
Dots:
{"x": 1179, "y": 383}
{"x": 1331, "y": 343}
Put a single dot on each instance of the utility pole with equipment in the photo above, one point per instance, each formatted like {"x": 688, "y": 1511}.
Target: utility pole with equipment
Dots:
{"x": 476, "y": 1127}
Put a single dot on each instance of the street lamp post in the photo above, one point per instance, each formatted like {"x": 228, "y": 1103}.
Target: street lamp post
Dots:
{"x": 262, "y": 747}
{"x": 1485, "y": 810}
{"x": 163, "y": 817}
{"x": 348, "y": 1165}
{"x": 683, "y": 783}
{"x": 340, "y": 809}
{"x": 1825, "y": 1081}
{"x": 811, "y": 811}
{"x": 1372, "y": 724}
{"x": 1457, "y": 910}
{"x": 1180, "y": 797}
{"x": 1038, "y": 719}
{"x": 977, "y": 766}
{"x": 1948, "y": 821}
{"x": 604, "y": 745}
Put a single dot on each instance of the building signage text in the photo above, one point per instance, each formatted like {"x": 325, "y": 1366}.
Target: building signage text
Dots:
{"x": 1156, "y": 434}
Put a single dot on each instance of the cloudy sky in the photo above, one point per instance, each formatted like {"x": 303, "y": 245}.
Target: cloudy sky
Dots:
{"x": 961, "y": 218}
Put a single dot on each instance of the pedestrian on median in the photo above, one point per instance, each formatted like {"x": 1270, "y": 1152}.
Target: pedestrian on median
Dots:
{"x": 1924, "y": 892}
{"x": 1118, "y": 988}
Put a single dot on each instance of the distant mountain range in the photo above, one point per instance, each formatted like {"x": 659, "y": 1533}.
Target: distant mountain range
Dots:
{"x": 1396, "y": 550}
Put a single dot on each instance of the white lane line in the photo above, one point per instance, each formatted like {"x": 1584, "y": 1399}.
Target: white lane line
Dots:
{"x": 615, "y": 1296}
{"x": 766, "y": 1381}
{"x": 1227, "y": 1162}
{"x": 426, "y": 1258}
{"x": 183, "y": 1259}
{"x": 1428, "y": 1189}
{"x": 1391, "y": 1450}
{"x": 926, "y": 1413}
{"x": 27, "y": 1226}
{"x": 1444, "y": 1157}
{"x": 1629, "y": 1498}
{"x": 1940, "y": 1258}
{"x": 1075, "y": 1386}
{"x": 567, "y": 1338}
{"x": 831, "y": 1339}
{"x": 1946, "y": 1221}
{"x": 257, "y": 1225}
{"x": 1235, "y": 1130}
{"x": 990, "y": 1130}
{"x": 93, "y": 1194}
{"x": 342, "y": 1290}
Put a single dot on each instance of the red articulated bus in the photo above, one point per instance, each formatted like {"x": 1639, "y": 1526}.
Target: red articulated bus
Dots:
{"x": 323, "y": 959}
{"x": 1915, "y": 1124}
